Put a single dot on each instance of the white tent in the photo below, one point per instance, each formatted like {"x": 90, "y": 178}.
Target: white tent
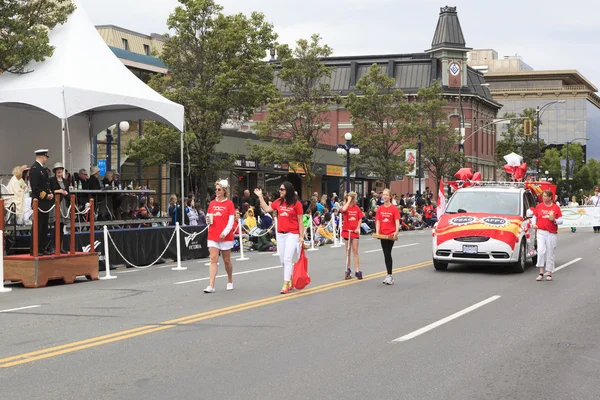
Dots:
{"x": 83, "y": 87}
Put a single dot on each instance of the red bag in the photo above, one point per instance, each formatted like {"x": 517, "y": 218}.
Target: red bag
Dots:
{"x": 300, "y": 279}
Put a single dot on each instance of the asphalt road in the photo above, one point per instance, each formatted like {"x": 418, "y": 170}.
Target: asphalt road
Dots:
{"x": 466, "y": 333}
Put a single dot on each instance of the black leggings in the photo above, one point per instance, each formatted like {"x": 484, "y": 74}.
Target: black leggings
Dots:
{"x": 386, "y": 246}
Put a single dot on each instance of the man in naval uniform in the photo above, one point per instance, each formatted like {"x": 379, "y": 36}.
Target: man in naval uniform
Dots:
{"x": 40, "y": 190}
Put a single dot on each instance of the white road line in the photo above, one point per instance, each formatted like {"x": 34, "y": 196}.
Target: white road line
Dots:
{"x": 225, "y": 275}
{"x": 567, "y": 264}
{"x": 395, "y": 247}
{"x": 444, "y": 320}
{"x": 128, "y": 272}
{"x": 20, "y": 308}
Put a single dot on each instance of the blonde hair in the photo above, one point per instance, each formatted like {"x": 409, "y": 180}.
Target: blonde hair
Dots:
{"x": 352, "y": 195}
{"x": 389, "y": 192}
{"x": 18, "y": 171}
{"x": 218, "y": 183}
{"x": 108, "y": 175}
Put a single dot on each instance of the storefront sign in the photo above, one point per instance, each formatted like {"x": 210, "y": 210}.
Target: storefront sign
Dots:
{"x": 281, "y": 167}
{"x": 334, "y": 170}
{"x": 242, "y": 163}
{"x": 297, "y": 168}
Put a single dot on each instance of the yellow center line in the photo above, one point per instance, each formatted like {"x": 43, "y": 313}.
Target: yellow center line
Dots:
{"x": 144, "y": 330}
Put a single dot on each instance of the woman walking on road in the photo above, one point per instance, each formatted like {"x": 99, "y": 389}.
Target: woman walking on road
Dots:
{"x": 220, "y": 217}
{"x": 351, "y": 232}
{"x": 290, "y": 228}
{"x": 546, "y": 218}
{"x": 387, "y": 222}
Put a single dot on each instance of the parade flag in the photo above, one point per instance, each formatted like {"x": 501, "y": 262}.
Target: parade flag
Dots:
{"x": 441, "y": 206}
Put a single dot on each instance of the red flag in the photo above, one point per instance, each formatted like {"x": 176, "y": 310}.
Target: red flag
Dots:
{"x": 441, "y": 206}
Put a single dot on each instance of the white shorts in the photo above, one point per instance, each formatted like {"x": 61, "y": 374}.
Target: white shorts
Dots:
{"x": 220, "y": 245}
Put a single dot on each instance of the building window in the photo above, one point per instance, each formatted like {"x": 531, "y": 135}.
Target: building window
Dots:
{"x": 125, "y": 44}
{"x": 147, "y": 49}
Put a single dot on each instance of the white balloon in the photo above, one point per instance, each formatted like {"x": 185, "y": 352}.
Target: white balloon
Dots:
{"x": 513, "y": 159}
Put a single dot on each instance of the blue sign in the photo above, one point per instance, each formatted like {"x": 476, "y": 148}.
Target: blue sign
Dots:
{"x": 102, "y": 167}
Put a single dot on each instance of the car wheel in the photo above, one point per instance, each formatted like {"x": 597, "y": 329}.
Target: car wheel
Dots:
{"x": 519, "y": 266}
{"x": 440, "y": 266}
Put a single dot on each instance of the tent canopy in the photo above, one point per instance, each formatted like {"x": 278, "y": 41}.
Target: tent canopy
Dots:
{"x": 85, "y": 77}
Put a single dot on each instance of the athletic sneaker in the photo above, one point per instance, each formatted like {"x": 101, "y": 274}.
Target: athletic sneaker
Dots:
{"x": 389, "y": 280}
{"x": 286, "y": 288}
{"x": 392, "y": 281}
{"x": 348, "y": 274}
{"x": 358, "y": 275}
{"x": 229, "y": 286}
{"x": 290, "y": 285}
{"x": 209, "y": 289}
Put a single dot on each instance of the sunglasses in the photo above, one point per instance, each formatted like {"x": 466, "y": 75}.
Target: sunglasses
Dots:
{"x": 219, "y": 189}
{"x": 282, "y": 189}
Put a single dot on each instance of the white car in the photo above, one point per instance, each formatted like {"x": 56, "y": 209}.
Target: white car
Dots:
{"x": 488, "y": 224}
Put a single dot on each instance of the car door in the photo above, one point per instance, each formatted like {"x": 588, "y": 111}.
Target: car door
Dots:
{"x": 530, "y": 234}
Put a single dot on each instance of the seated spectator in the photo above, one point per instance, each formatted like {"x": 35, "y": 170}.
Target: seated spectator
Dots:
{"x": 142, "y": 211}
{"x": 317, "y": 218}
{"x": 323, "y": 235}
{"x": 250, "y": 219}
{"x": 191, "y": 212}
{"x": 108, "y": 179}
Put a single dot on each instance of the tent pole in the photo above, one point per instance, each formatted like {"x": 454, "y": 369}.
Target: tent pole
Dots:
{"x": 182, "y": 177}
{"x": 63, "y": 143}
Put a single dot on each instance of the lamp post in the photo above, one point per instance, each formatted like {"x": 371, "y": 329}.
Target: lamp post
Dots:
{"x": 538, "y": 114}
{"x": 567, "y": 166}
{"x": 348, "y": 149}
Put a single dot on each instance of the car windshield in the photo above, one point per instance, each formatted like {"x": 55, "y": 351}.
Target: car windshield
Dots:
{"x": 489, "y": 202}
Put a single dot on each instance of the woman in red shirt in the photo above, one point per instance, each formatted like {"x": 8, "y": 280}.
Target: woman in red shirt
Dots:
{"x": 290, "y": 229}
{"x": 220, "y": 217}
{"x": 351, "y": 231}
{"x": 546, "y": 218}
{"x": 387, "y": 222}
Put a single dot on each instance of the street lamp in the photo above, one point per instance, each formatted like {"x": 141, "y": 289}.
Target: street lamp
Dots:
{"x": 539, "y": 112}
{"x": 567, "y": 156}
{"x": 348, "y": 149}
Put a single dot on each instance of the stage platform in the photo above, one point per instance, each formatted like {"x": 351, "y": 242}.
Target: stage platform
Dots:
{"x": 35, "y": 272}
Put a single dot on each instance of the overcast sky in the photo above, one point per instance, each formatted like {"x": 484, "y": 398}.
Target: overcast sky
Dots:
{"x": 548, "y": 34}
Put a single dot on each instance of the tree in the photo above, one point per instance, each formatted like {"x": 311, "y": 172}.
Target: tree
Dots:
{"x": 216, "y": 70}
{"x": 296, "y": 124}
{"x": 439, "y": 140}
{"x": 24, "y": 27}
{"x": 380, "y": 116}
{"x": 514, "y": 139}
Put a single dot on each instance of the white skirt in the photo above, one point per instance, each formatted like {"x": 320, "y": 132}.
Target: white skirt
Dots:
{"x": 220, "y": 245}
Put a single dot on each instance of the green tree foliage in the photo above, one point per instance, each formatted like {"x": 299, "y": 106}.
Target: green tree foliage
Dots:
{"x": 297, "y": 123}
{"x": 439, "y": 139}
{"x": 514, "y": 139}
{"x": 24, "y": 27}
{"x": 380, "y": 115}
{"x": 216, "y": 70}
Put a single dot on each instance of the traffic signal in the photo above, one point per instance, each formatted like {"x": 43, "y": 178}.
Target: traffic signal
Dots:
{"x": 528, "y": 127}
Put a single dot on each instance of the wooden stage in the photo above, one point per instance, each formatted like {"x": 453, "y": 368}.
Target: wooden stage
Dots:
{"x": 35, "y": 272}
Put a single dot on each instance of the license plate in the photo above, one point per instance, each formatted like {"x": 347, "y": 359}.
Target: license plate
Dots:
{"x": 469, "y": 249}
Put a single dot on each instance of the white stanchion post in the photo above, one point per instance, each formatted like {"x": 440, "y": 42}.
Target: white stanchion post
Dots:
{"x": 177, "y": 237}
{"x": 312, "y": 238}
{"x": 337, "y": 238}
{"x": 2, "y": 288}
{"x": 277, "y": 252}
{"x": 242, "y": 258}
{"x": 106, "y": 257}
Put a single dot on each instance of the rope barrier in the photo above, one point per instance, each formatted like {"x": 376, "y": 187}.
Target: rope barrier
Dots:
{"x": 137, "y": 266}
{"x": 255, "y": 235}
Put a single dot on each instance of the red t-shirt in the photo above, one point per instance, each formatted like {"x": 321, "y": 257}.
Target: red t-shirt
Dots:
{"x": 287, "y": 216}
{"x": 351, "y": 220}
{"x": 541, "y": 213}
{"x": 387, "y": 217}
{"x": 221, "y": 212}
{"x": 428, "y": 211}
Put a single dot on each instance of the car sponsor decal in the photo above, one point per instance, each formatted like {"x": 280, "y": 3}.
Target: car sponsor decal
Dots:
{"x": 503, "y": 228}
